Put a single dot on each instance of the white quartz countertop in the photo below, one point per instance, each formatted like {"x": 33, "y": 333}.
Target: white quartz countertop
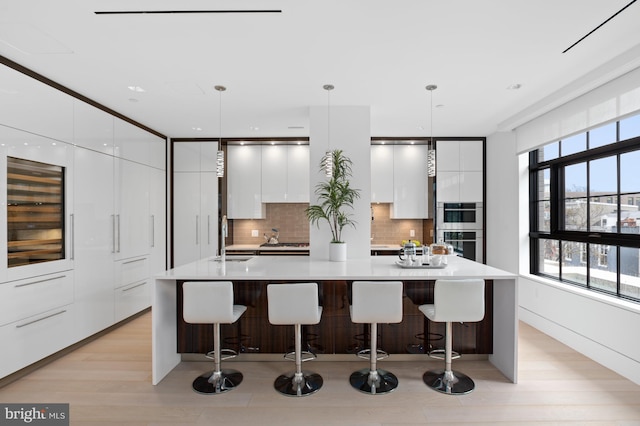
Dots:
{"x": 306, "y": 268}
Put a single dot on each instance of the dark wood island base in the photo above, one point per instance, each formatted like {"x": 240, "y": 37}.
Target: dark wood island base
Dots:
{"x": 335, "y": 334}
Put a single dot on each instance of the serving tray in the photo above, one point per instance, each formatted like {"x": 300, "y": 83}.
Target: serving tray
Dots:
{"x": 421, "y": 266}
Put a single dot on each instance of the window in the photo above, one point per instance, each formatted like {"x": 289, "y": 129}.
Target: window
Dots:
{"x": 585, "y": 209}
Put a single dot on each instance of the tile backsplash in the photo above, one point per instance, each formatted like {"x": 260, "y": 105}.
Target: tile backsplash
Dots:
{"x": 288, "y": 218}
{"x": 291, "y": 221}
{"x": 385, "y": 230}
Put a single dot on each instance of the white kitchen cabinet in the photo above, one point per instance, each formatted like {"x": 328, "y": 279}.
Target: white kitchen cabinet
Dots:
{"x": 195, "y": 210}
{"x": 410, "y": 186}
{"x": 136, "y": 144}
{"x": 42, "y": 322}
{"x": 132, "y": 287}
{"x": 244, "y": 182}
{"x": 459, "y": 171}
{"x": 131, "y": 209}
{"x": 194, "y": 156}
{"x": 158, "y": 228}
{"x": 382, "y": 173}
{"x": 92, "y": 128}
{"x": 94, "y": 244}
{"x": 285, "y": 173}
{"x": 29, "y": 105}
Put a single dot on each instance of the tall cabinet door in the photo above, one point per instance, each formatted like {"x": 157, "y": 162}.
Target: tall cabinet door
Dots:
{"x": 157, "y": 227}
{"x": 93, "y": 241}
{"x": 186, "y": 217}
{"x": 132, "y": 209}
{"x": 208, "y": 214}
{"x": 195, "y": 216}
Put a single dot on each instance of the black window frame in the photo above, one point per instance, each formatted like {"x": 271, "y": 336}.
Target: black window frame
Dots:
{"x": 616, "y": 240}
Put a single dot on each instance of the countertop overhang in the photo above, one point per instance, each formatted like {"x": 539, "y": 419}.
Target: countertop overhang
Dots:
{"x": 307, "y": 268}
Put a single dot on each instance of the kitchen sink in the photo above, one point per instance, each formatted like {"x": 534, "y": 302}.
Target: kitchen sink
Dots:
{"x": 233, "y": 258}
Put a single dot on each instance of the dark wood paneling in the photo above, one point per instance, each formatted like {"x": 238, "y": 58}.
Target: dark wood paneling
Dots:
{"x": 335, "y": 334}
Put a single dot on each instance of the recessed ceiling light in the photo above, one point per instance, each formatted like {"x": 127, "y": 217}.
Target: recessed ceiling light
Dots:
{"x": 254, "y": 128}
{"x": 514, "y": 86}
{"x": 135, "y": 89}
{"x": 197, "y": 129}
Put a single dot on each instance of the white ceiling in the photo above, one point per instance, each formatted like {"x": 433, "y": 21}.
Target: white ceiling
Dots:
{"x": 376, "y": 53}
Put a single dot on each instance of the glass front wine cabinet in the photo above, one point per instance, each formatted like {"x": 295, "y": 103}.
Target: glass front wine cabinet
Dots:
{"x": 35, "y": 212}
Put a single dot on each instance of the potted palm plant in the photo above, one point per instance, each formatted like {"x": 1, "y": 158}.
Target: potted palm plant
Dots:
{"x": 335, "y": 196}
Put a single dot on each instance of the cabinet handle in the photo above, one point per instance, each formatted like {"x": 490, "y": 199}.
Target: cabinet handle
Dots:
{"x": 39, "y": 281}
{"x": 73, "y": 236}
{"x": 208, "y": 229}
{"x": 135, "y": 286}
{"x": 41, "y": 319}
{"x": 113, "y": 232}
{"x": 153, "y": 231}
{"x": 118, "y": 233}
{"x": 197, "y": 229}
{"x": 135, "y": 260}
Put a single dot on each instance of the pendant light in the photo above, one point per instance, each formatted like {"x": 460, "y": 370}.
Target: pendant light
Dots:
{"x": 220, "y": 153}
{"x": 328, "y": 163}
{"x": 431, "y": 152}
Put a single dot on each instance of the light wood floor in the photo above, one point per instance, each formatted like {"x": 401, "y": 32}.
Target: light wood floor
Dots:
{"x": 108, "y": 381}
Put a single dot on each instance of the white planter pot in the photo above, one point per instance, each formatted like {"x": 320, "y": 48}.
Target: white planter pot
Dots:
{"x": 338, "y": 252}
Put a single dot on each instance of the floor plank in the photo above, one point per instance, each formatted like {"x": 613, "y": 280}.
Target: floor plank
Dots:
{"x": 108, "y": 381}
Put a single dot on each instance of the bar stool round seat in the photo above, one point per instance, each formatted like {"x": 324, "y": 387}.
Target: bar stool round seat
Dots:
{"x": 211, "y": 302}
{"x": 295, "y": 304}
{"x": 375, "y": 302}
{"x": 453, "y": 301}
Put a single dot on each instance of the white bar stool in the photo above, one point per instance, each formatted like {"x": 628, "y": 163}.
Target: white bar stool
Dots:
{"x": 295, "y": 304}
{"x": 211, "y": 302}
{"x": 375, "y": 302}
{"x": 454, "y": 301}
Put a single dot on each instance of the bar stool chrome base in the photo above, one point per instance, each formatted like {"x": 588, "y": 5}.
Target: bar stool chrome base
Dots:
{"x": 214, "y": 382}
{"x": 374, "y": 382}
{"x": 298, "y": 384}
{"x": 449, "y": 382}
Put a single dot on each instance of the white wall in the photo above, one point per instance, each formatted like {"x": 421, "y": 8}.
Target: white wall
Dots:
{"x": 350, "y": 132}
{"x": 600, "y": 327}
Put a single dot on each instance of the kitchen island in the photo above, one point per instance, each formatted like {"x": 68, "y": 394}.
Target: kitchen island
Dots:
{"x": 251, "y": 276}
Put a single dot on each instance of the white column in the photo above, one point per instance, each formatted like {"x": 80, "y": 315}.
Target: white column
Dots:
{"x": 350, "y": 132}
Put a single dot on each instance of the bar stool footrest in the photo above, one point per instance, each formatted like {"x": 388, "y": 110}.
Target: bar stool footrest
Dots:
{"x": 440, "y": 354}
{"x": 304, "y": 356}
{"x": 366, "y": 354}
{"x": 224, "y": 354}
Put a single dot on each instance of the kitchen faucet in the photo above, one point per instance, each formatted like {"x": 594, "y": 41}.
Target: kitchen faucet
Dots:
{"x": 274, "y": 236}
{"x": 225, "y": 234}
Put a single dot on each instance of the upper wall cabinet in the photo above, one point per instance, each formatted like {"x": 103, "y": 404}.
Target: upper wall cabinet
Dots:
{"x": 244, "y": 182}
{"x": 136, "y": 144}
{"x": 285, "y": 173}
{"x": 29, "y": 105}
{"x": 194, "y": 156}
{"x": 92, "y": 128}
{"x": 410, "y": 183}
{"x": 459, "y": 166}
{"x": 382, "y": 173}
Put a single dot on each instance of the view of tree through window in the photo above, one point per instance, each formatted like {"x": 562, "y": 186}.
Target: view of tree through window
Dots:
{"x": 585, "y": 209}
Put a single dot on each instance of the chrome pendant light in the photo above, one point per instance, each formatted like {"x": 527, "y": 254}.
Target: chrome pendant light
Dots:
{"x": 220, "y": 153}
{"x": 431, "y": 152}
{"x": 328, "y": 158}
